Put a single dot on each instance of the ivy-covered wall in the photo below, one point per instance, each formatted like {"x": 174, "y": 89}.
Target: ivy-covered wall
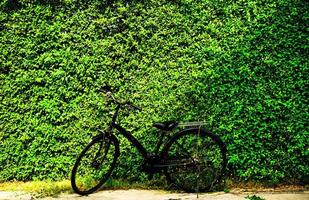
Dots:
{"x": 239, "y": 65}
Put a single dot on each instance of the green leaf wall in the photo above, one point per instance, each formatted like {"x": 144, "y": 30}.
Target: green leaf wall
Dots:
{"x": 241, "y": 66}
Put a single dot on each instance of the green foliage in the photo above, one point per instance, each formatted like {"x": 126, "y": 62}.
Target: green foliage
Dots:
{"x": 254, "y": 197}
{"x": 239, "y": 65}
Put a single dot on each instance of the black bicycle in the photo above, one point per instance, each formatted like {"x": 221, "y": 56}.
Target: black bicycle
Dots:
{"x": 192, "y": 159}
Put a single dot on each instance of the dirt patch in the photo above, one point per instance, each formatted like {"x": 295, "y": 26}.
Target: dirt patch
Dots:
{"x": 159, "y": 195}
{"x": 277, "y": 189}
{"x": 15, "y": 195}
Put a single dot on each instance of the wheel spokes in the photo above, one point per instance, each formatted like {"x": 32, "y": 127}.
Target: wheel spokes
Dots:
{"x": 94, "y": 166}
{"x": 205, "y": 165}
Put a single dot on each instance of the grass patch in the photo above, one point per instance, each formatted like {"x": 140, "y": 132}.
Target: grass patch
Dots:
{"x": 154, "y": 184}
{"x": 38, "y": 188}
{"x": 254, "y": 197}
{"x": 46, "y": 188}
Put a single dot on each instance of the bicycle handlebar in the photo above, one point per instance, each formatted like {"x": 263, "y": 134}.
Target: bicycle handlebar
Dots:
{"x": 108, "y": 91}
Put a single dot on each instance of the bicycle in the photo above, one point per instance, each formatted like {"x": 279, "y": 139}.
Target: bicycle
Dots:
{"x": 192, "y": 159}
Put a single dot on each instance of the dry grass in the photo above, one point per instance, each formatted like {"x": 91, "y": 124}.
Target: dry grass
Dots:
{"x": 49, "y": 188}
{"x": 38, "y": 188}
{"x": 250, "y": 186}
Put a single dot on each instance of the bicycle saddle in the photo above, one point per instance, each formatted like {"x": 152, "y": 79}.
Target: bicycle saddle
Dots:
{"x": 165, "y": 126}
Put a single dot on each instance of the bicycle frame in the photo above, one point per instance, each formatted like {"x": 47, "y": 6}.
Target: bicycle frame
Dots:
{"x": 156, "y": 165}
{"x": 146, "y": 155}
{"x": 135, "y": 142}
{"x": 132, "y": 139}
{"x": 160, "y": 165}
{"x": 126, "y": 134}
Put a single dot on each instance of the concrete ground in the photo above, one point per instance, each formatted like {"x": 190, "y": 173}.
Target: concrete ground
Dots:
{"x": 161, "y": 195}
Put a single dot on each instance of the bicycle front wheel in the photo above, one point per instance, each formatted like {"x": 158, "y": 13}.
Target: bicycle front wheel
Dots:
{"x": 195, "y": 160}
{"x": 95, "y": 164}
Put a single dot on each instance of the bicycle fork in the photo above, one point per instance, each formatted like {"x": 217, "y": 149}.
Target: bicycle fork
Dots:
{"x": 95, "y": 164}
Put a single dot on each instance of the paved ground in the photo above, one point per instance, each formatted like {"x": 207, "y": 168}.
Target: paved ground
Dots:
{"x": 160, "y": 195}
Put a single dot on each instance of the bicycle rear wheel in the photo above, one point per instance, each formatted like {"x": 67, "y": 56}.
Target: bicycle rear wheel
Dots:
{"x": 196, "y": 160}
{"x": 95, "y": 164}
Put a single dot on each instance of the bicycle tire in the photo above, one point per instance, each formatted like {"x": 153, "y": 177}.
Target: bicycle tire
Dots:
{"x": 99, "y": 156}
{"x": 207, "y": 164}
